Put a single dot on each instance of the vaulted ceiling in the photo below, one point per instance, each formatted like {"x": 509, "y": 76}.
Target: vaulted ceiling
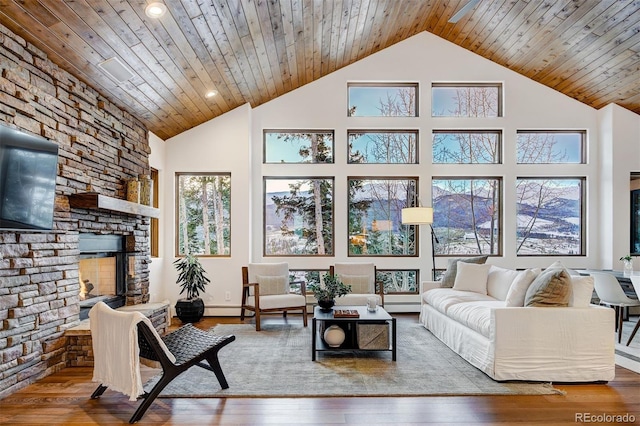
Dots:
{"x": 255, "y": 50}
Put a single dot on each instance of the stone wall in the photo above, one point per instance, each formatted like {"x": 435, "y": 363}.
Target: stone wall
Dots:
{"x": 100, "y": 146}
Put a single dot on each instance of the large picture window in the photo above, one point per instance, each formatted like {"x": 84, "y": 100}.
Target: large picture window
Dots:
{"x": 382, "y": 100}
{"x": 298, "y": 216}
{"x": 383, "y": 147}
{"x": 549, "y": 216}
{"x": 204, "y": 214}
{"x": 550, "y": 147}
{"x": 466, "y": 215}
{"x": 304, "y": 146}
{"x": 375, "y": 227}
{"x": 466, "y": 100}
{"x": 466, "y": 147}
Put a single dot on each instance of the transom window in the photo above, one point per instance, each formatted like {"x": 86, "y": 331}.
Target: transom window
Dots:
{"x": 382, "y": 100}
{"x": 383, "y": 147}
{"x": 466, "y": 100}
{"x": 550, "y": 147}
{"x": 298, "y": 216}
{"x": 466, "y": 215}
{"x": 204, "y": 214}
{"x": 550, "y": 214}
{"x": 467, "y": 146}
{"x": 303, "y": 146}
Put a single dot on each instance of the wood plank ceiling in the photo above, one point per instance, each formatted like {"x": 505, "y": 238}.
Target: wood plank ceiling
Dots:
{"x": 255, "y": 50}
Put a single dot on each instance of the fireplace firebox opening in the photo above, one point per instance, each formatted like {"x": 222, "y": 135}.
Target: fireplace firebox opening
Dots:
{"x": 102, "y": 271}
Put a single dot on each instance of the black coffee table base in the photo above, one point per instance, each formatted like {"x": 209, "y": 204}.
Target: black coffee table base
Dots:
{"x": 321, "y": 320}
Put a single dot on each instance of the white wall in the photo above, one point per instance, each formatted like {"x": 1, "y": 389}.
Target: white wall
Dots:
{"x": 233, "y": 142}
{"x": 220, "y": 145}
{"x": 620, "y": 155}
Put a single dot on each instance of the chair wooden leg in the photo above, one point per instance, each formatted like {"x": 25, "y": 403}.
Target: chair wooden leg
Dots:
{"x": 151, "y": 396}
{"x": 304, "y": 316}
{"x": 242, "y": 314}
{"x": 633, "y": 333}
{"x": 620, "y": 315}
{"x": 213, "y": 361}
{"x": 257, "y": 320}
{"x": 101, "y": 388}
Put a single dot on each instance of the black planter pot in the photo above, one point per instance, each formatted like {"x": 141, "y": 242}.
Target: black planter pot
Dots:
{"x": 326, "y": 305}
{"x": 190, "y": 310}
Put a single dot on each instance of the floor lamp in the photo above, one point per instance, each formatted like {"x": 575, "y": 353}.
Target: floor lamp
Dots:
{"x": 422, "y": 216}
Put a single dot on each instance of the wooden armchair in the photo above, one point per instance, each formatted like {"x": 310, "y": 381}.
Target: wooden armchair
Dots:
{"x": 362, "y": 279}
{"x": 176, "y": 352}
{"x": 266, "y": 288}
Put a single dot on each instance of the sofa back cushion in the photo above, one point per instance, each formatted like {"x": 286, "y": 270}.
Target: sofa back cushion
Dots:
{"x": 360, "y": 284}
{"x": 273, "y": 284}
{"x": 449, "y": 276}
{"x": 499, "y": 281}
{"x": 551, "y": 288}
{"x": 472, "y": 277}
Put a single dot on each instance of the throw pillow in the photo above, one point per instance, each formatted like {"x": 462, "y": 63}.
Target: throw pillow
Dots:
{"x": 472, "y": 277}
{"x": 581, "y": 291}
{"x": 519, "y": 287}
{"x": 499, "y": 281}
{"x": 449, "y": 276}
{"x": 273, "y": 284}
{"x": 360, "y": 284}
{"x": 555, "y": 265}
{"x": 551, "y": 288}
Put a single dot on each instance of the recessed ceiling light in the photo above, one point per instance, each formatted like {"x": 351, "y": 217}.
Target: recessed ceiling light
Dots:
{"x": 155, "y": 10}
{"x": 211, "y": 93}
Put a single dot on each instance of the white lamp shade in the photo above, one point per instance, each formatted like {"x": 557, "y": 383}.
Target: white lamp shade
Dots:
{"x": 417, "y": 215}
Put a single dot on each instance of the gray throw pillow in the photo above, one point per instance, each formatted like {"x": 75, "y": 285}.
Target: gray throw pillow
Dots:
{"x": 551, "y": 288}
{"x": 449, "y": 276}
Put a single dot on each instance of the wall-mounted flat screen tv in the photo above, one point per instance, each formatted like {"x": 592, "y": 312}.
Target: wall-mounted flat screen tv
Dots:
{"x": 28, "y": 169}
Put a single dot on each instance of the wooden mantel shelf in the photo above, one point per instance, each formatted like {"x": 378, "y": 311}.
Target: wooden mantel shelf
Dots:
{"x": 93, "y": 200}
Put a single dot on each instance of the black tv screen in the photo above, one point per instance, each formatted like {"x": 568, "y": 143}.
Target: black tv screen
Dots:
{"x": 28, "y": 169}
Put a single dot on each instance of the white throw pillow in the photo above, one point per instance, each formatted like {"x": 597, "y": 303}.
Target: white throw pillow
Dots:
{"x": 519, "y": 287}
{"x": 273, "y": 284}
{"x": 499, "y": 281}
{"x": 582, "y": 291}
{"x": 360, "y": 284}
{"x": 556, "y": 265}
{"x": 472, "y": 277}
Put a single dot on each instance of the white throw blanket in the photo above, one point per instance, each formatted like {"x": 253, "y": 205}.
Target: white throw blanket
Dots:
{"x": 116, "y": 362}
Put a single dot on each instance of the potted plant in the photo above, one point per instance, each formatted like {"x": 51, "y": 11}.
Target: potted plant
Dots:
{"x": 326, "y": 294}
{"x": 192, "y": 279}
{"x": 628, "y": 265}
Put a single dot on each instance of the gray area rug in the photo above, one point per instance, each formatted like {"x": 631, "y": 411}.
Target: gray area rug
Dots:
{"x": 276, "y": 362}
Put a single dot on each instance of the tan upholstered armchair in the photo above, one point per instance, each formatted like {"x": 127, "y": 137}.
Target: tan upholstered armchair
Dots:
{"x": 362, "y": 279}
{"x": 265, "y": 288}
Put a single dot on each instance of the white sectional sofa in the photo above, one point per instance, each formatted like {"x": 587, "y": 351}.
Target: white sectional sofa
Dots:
{"x": 486, "y": 323}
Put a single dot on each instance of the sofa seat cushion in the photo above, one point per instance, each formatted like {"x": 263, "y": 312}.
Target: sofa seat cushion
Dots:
{"x": 443, "y": 298}
{"x": 475, "y": 315}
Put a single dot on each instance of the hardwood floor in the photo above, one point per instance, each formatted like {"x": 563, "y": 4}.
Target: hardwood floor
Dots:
{"x": 63, "y": 399}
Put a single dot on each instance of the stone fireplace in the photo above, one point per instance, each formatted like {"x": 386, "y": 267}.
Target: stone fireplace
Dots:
{"x": 100, "y": 147}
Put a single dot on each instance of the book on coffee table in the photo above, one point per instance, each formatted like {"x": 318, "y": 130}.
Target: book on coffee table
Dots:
{"x": 345, "y": 313}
